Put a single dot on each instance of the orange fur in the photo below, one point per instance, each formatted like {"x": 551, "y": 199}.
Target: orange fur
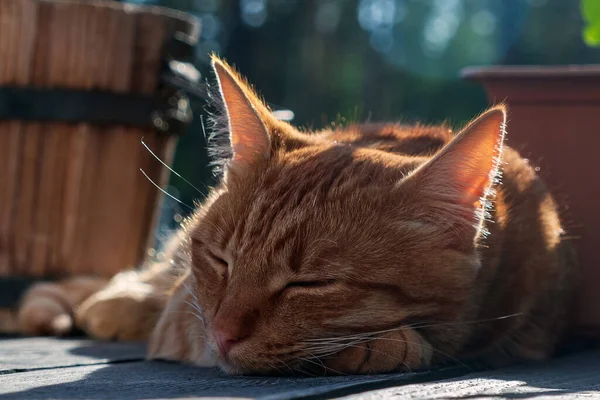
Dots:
{"x": 365, "y": 249}
{"x": 47, "y": 308}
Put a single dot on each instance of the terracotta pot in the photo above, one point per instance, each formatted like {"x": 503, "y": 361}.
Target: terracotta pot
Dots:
{"x": 554, "y": 119}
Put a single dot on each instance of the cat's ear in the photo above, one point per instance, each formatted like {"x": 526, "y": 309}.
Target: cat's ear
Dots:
{"x": 458, "y": 178}
{"x": 245, "y": 114}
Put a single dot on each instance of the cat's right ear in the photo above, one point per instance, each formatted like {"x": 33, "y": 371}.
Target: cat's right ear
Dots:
{"x": 245, "y": 115}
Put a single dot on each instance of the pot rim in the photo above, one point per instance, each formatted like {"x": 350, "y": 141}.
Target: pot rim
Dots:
{"x": 506, "y": 72}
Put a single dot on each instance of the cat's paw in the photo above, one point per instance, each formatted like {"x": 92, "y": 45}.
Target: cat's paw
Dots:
{"x": 47, "y": 308}
{"x": 402, "y": 350}
{"x": 126, "y": 310}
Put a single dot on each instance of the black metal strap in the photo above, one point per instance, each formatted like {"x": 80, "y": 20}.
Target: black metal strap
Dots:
{"x": 73, "y": 106}
{"x": 12, "y": 289}
{"x": 167, "y": 110}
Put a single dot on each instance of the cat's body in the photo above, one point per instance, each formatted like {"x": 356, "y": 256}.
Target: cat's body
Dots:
{"x": 358, "y": 250}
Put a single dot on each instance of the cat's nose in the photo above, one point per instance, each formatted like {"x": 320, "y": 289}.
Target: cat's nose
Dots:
{"x": 226, "y": 339}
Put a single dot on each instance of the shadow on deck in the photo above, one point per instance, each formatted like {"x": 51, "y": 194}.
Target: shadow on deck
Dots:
{"x": 44, "y": 368}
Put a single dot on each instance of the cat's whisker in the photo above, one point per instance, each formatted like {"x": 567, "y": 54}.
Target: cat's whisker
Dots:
{"x": 303, "y": 370}
{"x": 165, "y": 192}
{"x": 320, "y": 365}
{"x": 169, "y": 168}
{"x": 318, "y": 359}
{"x": 197, "y": 313}
{"x": 337, "y": 339}
{"x": 325, "y": 350}
{"x": 328, "y": 347}
{"x": 189, "y": 290}
{"x": 195, "y": 307}
{"x": 477, "y": 321}
{"x": 423, "y": 345}
{"x": 194, "y": 304}
{"x": 405, "y": 327}
{"x": 273, "y": 366}
{"x": 285, "y": 364}
{"x": 420, "y": 344}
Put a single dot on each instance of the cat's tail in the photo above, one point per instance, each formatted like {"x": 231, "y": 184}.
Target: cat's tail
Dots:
{"x": 47, "y": 308}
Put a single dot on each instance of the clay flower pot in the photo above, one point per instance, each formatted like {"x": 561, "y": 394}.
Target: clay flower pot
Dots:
{"x": 554, "y": 119}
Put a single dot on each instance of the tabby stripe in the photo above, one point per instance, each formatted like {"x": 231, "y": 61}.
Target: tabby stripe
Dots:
{"x": 402, "y": 359}
{"x": 398, "y": 291}
{"x": 367, "y": 358}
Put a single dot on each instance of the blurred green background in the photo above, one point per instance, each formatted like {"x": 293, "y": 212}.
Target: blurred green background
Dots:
{"x": 332, "y": 61}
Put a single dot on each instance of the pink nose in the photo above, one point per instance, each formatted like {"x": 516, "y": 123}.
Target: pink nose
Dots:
{"x": 226, "y": 340}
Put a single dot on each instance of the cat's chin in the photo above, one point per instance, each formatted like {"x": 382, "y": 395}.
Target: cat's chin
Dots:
{"x": 230, "y": 366}
{"x": 231, "y": 369}
{"x": 248, "y": 367}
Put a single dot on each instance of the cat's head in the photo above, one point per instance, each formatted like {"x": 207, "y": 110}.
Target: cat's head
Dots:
{"x": 308, "y": 240}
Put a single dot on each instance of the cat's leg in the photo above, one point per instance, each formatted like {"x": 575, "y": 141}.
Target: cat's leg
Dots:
{"x": 124, "y": 308}
{"x": 128, "y": 307}
{"x": 47, "y": 308}
{"x": 401, "y": 350}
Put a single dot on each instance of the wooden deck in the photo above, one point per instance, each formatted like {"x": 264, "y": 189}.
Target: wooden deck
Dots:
{"x": 43, "y": 368}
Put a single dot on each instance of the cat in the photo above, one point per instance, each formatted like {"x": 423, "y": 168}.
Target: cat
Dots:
{"x": 364, "y": 249}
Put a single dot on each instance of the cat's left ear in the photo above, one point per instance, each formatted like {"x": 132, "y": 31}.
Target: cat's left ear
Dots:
{"x": 456, "y": 181}
{"x": 245, "y": 114}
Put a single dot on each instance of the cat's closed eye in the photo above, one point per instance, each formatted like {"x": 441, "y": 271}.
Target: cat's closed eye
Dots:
{"x": 310, "y": 284}
{"x": 218, "y": 260}
{"x": 218, "y": 263}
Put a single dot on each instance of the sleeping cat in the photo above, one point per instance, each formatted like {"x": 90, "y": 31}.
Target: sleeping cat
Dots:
{"x": 365, "y": 249}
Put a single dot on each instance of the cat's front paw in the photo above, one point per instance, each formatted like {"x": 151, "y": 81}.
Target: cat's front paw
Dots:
{"x": 47, "y": 308}
{"x": 125, "y": 310}
{"x": 402, "y": 350}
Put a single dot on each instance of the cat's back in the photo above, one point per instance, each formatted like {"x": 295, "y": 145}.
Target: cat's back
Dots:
{"x": 410, "y": 140}
{"x": 521, "y": 190}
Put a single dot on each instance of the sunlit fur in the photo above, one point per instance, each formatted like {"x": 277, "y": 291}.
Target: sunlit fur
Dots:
{"x": 406, "y": 266}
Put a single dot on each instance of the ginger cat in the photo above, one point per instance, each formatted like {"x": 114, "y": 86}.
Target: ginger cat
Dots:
{"x": 365, "y": 249}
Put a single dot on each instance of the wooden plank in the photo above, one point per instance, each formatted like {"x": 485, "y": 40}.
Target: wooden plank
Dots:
{"x": 37, "y": 368}
{"x": 39, "y": 353}
{"x": 29, "y": 176}
{"x": 20, "y": 43}
{"x": 153, "y": 380}
{"x": 570, "y": 377}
